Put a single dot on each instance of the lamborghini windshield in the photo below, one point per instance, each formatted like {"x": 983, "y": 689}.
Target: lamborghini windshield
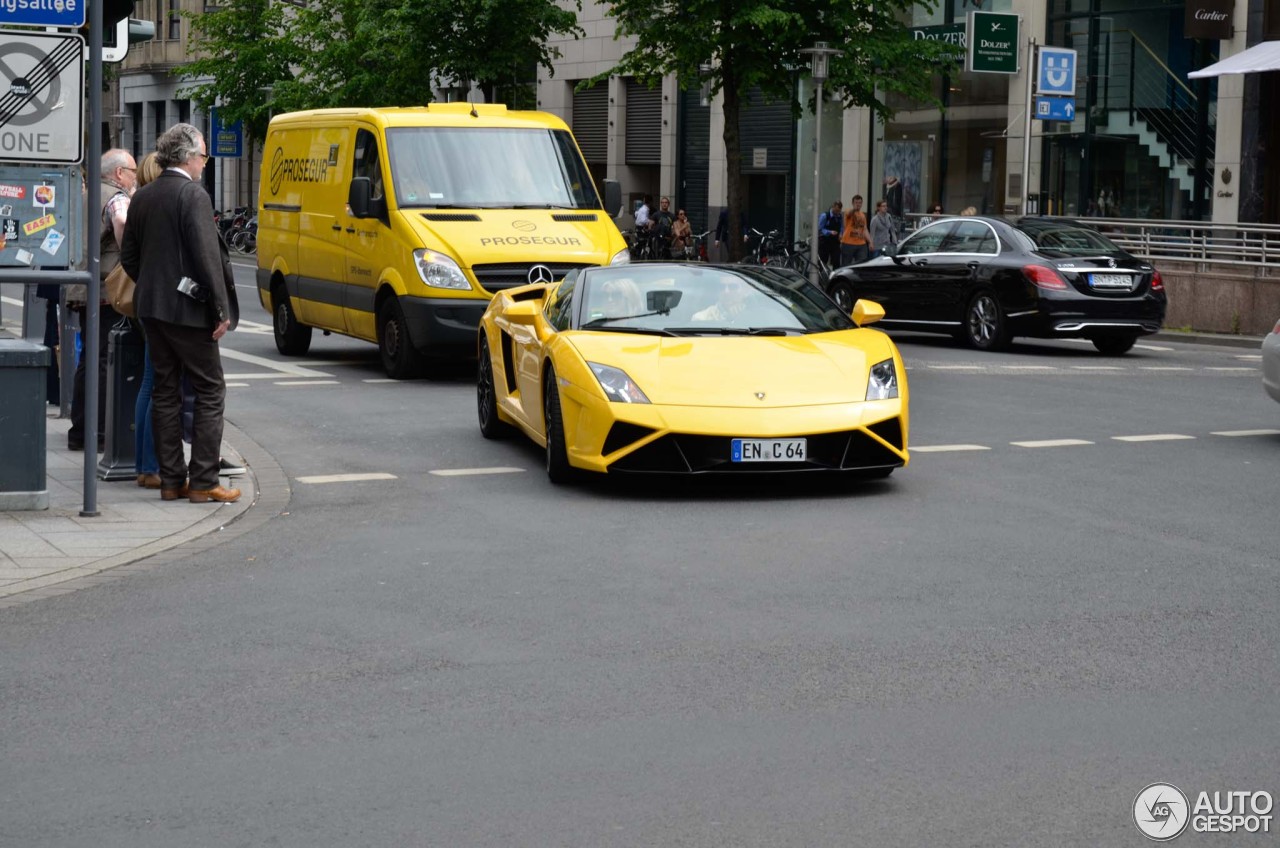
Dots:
{"x": 488, "y": 168}
{"x": 704, "y": 300}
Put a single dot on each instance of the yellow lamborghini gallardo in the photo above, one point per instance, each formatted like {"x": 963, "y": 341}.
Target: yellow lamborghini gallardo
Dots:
{"x": 692, "y": 369}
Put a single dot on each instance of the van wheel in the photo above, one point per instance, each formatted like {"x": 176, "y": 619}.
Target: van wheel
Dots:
{"x": 400, "y": 359}
{"x": 292, "y": 338}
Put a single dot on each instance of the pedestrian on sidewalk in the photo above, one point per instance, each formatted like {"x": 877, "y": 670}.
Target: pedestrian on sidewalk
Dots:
{"x": 171, "y": 250}
{"x": 144, "y": 442}
{"x": 119, "y": 176}
{"x": 853, "y": 239}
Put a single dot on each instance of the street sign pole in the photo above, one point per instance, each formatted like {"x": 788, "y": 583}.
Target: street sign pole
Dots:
{"x": 1029, "y": 68}
{"x": 93, "y": 205}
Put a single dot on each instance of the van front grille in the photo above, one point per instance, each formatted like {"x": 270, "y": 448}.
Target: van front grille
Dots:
{"x": 507, "y": 275}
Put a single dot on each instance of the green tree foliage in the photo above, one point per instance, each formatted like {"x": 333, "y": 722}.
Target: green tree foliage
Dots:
{"x": 757, "y": 43}
{"x": 366, "y": 52}
{"x": 244, "y": 47}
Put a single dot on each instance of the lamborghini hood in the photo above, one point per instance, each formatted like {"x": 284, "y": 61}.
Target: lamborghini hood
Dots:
{"x": 731, "y": 371}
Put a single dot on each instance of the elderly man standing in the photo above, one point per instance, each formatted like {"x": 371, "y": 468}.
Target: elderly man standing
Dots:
{"x": 171, "y": 251}
{"x": 119, "y": 177}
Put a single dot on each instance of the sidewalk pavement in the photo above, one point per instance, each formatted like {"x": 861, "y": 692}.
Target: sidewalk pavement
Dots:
{"x": 53, "y": 551}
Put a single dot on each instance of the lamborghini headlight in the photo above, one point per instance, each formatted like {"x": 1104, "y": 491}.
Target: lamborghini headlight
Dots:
{"x": 883, "y": 382}
{"x": 618, "y": 387}
{"x": 439, "y": 271}
{"x": 622, "y": 257}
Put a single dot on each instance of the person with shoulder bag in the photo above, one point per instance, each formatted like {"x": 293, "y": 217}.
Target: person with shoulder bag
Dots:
{"x": 119, "y": 176}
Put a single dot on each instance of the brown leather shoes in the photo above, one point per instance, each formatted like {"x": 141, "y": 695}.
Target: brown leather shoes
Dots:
{"x": 221, "y": 494}
{"x": 148, "y": 481}
{"x": 173, "y": 494}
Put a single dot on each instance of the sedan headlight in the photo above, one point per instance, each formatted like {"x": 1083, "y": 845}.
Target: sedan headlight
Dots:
{"x": 618, "y": 387}
{"x": 883, "y": 382}
{"x": 439, "y": 271}
{"x": 622, "y": 257}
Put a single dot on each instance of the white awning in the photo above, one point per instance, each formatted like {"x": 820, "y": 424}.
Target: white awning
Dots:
{"x": 1258, "y": 58}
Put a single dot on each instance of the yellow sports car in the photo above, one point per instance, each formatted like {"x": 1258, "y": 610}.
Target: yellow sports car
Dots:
{"x": 692, "y": 368}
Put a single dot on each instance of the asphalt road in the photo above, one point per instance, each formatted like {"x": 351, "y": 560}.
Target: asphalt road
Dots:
{"x": 1000, "y": 645}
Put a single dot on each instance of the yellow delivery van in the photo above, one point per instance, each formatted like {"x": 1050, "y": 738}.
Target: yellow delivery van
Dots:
{"x": 397, "y": 225}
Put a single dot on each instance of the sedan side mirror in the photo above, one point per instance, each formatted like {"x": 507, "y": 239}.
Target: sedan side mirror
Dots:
{"x": 867, "y": 312}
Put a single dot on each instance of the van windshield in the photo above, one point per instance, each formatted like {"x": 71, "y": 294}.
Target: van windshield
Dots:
{"x": 488, "y": 168}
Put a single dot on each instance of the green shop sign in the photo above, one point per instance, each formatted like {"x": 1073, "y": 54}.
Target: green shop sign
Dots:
{"x": 993, "y": 43}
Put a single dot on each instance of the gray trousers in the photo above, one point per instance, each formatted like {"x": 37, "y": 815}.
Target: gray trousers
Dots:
{"x": 176, "y": 350}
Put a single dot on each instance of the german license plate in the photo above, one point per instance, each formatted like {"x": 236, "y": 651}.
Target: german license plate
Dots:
{"x": 1111, "y": 281}
{"x": 770, "y": 450}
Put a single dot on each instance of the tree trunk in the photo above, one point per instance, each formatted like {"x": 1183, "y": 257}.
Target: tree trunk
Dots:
{"x": 733, "y": 161}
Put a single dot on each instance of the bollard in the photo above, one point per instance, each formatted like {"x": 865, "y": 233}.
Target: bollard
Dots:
{"x": 23, "y": 482}
{"x": 124, "y": 377}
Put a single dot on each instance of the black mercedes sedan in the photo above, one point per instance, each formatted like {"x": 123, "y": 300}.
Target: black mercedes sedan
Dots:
{"x": 985, "y": 280}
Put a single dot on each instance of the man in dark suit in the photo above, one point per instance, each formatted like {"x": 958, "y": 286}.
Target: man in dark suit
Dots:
{"x": 170, "y": 242}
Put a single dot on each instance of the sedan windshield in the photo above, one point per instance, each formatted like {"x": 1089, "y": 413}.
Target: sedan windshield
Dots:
{"x": 690, "y": 300}
{"x": 1069, "y": 241}
{"x": 488, "y": 168}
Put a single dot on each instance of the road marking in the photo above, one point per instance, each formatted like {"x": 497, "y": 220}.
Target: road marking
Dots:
{"x": 306, "y": 383}
{"x": 466, "y": 472}
{"x": 957, "y": 367}
{"x": 380, "y": 380}
{"x": 346, "y": 478}
{"x": 1051, "y": 443}
{"x": 1028, "y": 367}
{"x": 1246, "y": 433}
{"x": 946, "y": 448}
{"x": 1162, "y": 368}
{"x": 1252, "y": 357}
{"x": 282, "y": 367}
{"x": 1231, "y": 368}
{"x": 11, "y": 301}
{"x": 1153, "y": 437}
{"x": 236, "y": 385}
{"x": 254, "y": 327}
{"x": 1096, "y": 368}
{"x": 1153, "y": 347}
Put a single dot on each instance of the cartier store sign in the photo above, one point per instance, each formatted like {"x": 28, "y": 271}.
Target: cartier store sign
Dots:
{"x": 1209, "y": 18}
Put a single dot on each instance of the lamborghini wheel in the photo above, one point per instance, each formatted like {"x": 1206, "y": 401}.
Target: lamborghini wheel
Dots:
{"x": 558, "y": 468}
{"x": 491, "y": 426}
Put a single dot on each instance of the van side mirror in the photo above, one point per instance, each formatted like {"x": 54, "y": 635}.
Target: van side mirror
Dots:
{"x": 613, "y": 198}
{"x": 359, "y": 197}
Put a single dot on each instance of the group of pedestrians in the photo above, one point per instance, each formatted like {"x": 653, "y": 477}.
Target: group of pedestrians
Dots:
{"x": 670, "y": 232}
{"x": 848, "y": 237}
{"x": 157, "y": 222}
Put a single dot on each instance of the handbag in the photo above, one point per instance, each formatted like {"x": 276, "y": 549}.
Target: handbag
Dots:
{"x": 120, "y": 288}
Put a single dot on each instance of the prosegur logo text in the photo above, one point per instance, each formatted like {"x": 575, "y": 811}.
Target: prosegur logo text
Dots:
{"x": 296, "y": 170}
{"x": 1161, "y": 812}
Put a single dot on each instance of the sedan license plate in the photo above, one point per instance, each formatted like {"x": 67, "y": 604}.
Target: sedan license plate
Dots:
{"x": 1111, "y": 281}
{"x": 770, "y": 450}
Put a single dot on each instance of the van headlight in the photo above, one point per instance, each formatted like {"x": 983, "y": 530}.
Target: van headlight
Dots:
{"x": 883, "y": 382}
{"x": 622, "y": 257}
{"x": 439, "y": 271}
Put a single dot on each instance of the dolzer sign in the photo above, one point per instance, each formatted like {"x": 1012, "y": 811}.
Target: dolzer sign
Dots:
{"x": 993, "y": 43}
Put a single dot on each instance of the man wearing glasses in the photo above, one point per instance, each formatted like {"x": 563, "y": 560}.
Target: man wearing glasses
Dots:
{"x": 119, "y": 178}
{"x": 171, "y": 250}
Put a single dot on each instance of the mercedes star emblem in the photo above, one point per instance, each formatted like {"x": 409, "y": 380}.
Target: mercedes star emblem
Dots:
{"x": 540, "y": 274}
{"x": 759, "y": 395}
{"x": 1111, "y": 262}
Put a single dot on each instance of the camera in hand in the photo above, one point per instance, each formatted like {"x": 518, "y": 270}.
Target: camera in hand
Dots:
{"x": 193, "y": 290}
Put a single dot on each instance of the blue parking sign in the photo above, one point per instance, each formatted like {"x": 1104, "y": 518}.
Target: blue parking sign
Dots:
{"x": 1057, "y": 71}
{"x": 228, "y": 139}
{"x": 1055, "y": 109}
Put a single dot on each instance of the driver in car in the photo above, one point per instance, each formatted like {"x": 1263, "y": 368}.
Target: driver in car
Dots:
{"x": 730, "y": 303}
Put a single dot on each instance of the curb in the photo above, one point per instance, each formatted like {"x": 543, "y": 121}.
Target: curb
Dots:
{"x": 271, "y": 496}
{"x": 1219, "y": 339}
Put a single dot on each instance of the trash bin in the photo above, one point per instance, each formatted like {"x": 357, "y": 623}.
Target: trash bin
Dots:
{"x": 23, "y": 482}
{"x": 124, "y": 377}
